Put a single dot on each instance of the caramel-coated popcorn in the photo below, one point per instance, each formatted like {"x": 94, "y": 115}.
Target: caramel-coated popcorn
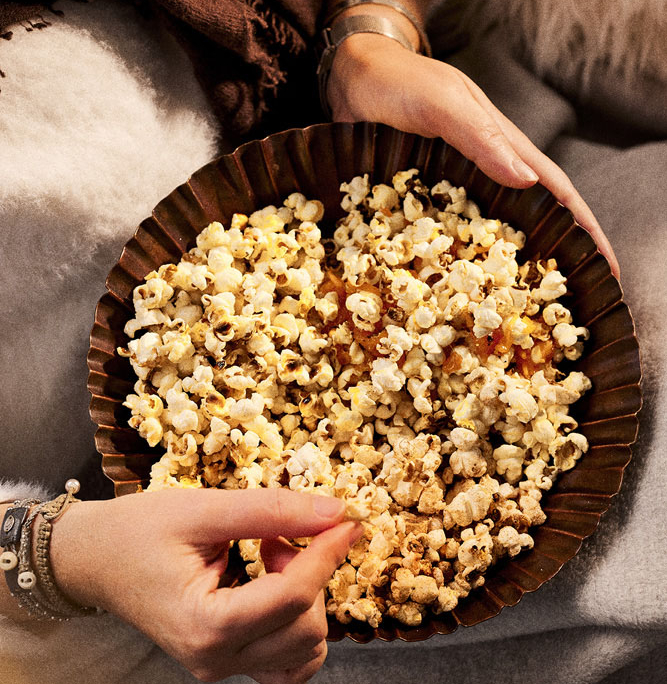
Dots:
{"x": 408, "y": 367}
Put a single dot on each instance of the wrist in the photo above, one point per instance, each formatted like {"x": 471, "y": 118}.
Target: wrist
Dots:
{"x": 361, "y": 41}
{"x": 352, "y": 62}
{"x": 74, "y": 552}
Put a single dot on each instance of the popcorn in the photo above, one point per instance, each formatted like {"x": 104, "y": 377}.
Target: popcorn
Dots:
{"x": 509, "y": 462}
{"x": 566, "y": 335}
{"x": 407, "y": 367}
{"x": 312, "y": 465}
{"x": 386, "y": 376}
{"x": 455, "y": 306}
{"x": 483, "y": 231}
{"x": 566, "y": 450}
{"x": 467, "y": 277}
{"x": 357, "y": 190}
{"x": 444, "y": 335}
{"x": 556, "y": 313}
{"x": 409, "y": 613}
{"x": 366, "y": 308}
{"x": 182, "y": 412}
{"x": 154, "y": 294}
{"x": 447, "y": 600}
{"x": 486, "y": 317}
{"x": 512, "y": 542}
{"x": 500, "y": 263}
{"x": 468, "y": 506}
{"x": 245, "y": 410}
{"x": 475, "y": 552}
{"x": 424, "y": 589}
{"x": 286, "y": 322}
{"x": 468, "y": 463}
{"x": 423, "y": 317}
{"x": 551, "y": 287}
{"x": 520, "y": 404}
{"x": 145, "y": 350}
{"x": 408, "y": 291}
{"x": 149, "y": 428}
{"x": 400, "y": 179}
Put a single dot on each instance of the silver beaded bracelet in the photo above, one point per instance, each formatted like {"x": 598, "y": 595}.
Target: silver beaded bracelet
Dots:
{"x": 34, "y": 586}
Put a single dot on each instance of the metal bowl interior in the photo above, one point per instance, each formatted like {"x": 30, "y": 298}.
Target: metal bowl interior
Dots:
{"x": 315, "y": 161}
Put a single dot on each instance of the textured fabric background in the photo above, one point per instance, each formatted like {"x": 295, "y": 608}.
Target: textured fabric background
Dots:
{"x": 576, "y": 45}
{"x": 81, "y": 166}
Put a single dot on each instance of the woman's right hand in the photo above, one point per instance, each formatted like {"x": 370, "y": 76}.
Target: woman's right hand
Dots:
{"x": 155, "y": 560}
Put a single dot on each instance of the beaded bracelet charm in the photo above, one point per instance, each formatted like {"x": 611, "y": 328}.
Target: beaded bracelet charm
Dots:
{"x": 11, "y": 531}
{"x": 10, "y": 536}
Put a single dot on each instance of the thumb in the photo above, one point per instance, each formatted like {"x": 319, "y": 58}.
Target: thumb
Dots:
{"x": 276, "y": 554}
{"x": 265, "y": 513}
{"x": 276, "y": 599}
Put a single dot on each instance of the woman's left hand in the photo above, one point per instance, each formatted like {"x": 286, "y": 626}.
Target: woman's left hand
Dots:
{"x": 374, "y": 78}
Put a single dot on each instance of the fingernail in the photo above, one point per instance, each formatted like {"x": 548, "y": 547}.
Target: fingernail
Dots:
{"x": 327, "y": 506}
{"x": 524, "y": 171}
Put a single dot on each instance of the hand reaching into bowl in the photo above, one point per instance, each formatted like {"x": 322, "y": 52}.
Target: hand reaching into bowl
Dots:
{"x": 155, "y": 560}
{"x": 374, "y": 78}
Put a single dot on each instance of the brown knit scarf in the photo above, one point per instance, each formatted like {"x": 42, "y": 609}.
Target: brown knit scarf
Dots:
{"x": 253, "y": 57}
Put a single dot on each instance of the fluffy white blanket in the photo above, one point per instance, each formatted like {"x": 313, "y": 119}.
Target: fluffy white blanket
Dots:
{"x": 100, "y": 117}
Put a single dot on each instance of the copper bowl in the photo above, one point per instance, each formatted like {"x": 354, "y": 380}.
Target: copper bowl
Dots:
{"x": 315, "y": 161}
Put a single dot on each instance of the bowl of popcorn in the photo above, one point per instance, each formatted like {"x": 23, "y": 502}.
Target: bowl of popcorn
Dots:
{"x": 357, "y": 312}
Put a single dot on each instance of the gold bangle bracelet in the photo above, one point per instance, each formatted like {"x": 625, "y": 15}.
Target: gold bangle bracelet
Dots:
{"x": 342, "y": 5}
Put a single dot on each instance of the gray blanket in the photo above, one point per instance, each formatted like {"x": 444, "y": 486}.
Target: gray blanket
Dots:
{"x": 71, "y": 194}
